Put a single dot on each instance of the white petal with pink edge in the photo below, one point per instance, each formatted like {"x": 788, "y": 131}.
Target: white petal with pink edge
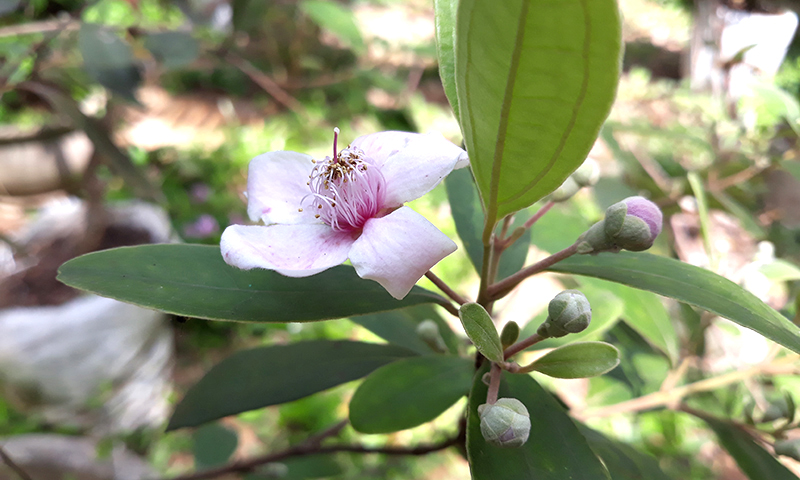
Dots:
{"x": 411, "y": 163}
{"x": 397, "y": 250}
{"x": 276, "y": 185}
{"x": 291, "y": 250}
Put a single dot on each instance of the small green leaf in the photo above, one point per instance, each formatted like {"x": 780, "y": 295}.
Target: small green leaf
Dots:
{"x": 277, "y": 374}
{"x": 510, "y": 334}
{"x": 337, "y": 19}
{"x": 535, "y": 80}
{"x": 400, "y": 327}
{"x": 213, "y": 445}
{"x": 577, "y": 360}
{"x": 481, "y": 330}
{"x": 555, "y": 449}
{"x": 172, "y": 49}
{"x": 108, "y": 59}
{"x": 445, "y": 19}
{"x": 409, "y": 392}
{"x": 688, "y": 284}
{"x": 699, "y": 191}
{"x": 754, "y": 461}
{"x": 465, "y": 204}
{"x": 194, "y": 281}
{"x": 780, "y": 271}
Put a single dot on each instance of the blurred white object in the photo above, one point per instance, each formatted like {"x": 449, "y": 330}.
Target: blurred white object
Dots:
{"x": 61, "y": 360}
{"x": 59, "y": 457}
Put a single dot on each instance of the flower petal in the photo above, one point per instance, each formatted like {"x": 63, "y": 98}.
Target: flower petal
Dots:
{"x": 397, "y": 250}
{"x": 291, "y": 250}
{"x": 411, "y": 163}
{"x": 276, "y": 185}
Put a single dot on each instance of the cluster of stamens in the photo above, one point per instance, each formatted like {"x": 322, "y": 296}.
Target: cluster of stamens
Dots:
{"x": 346, "y": 190}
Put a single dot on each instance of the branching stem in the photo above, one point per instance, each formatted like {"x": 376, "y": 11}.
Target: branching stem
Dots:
{"x": 445, "y": 288}
{"x": 501, "y": 288}
{"x": 494, "y": 384}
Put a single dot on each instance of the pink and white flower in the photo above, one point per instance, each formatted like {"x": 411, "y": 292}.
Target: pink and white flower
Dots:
{"x": 317, "y": 214}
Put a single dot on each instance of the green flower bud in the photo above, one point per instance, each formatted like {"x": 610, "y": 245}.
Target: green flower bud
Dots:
{"x": 428, "y": 331}
{"x": 790, "y": 448}
{"x": 506, "y": 423}
{"x": 510, "y": 334}
{"x": 587, "y": 174}
{"x": 568, "y": 312}
{"x": 632, "y": 224}
{"x": 567, "y": 189}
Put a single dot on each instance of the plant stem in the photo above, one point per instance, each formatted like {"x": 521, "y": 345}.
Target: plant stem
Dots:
{"x": 522, "y": 345}
{"x": 22, "y": 474}
{"x": 501, "y": 288}
{"x": 312, "y": 447}
{"x": 539, "y": 214}
{"x": 494, "y": 384}
{"x": 483, "y": 291}
{"x": 445, "y": 288}
{"x": 658, "y": 399}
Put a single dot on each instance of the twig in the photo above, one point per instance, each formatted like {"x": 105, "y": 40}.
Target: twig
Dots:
{"x": 504, "y": 286}
{"x": 38, "y": 27}
{"x": 445, "y": 288}
{"x": 269, "y": 85}
{"x": 539, "y": 214}
{"x": 494, "y": 384}
{"x": 522, "y": 345}
{"x": 661, "y": 398}
{"x": 312, "y": 447}
{"x": 13, "y": 466}
{"x": 447, "y": 305}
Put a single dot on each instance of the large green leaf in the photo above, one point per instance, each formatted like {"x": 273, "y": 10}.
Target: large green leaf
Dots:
{"x": 213, "y": 445}
{"x": 194, "y": 281}
{"x": 688, "y": 284}
{"x": 400, "y": 327}
{"x": 465, "y": 204}
{"x": 109, "y": 60}
{"x": 555, "y": 449}
{"x": 623, "y": 461}
{"x": 755, "y": 462}
{"x": 172, "y": 49}
{"x": 445, "y": 20}
{"x": 409, "y": 392}
{"x": 577, "y": 360}
{"x": 276, "y": 374}
{"x": 535, "y": 80}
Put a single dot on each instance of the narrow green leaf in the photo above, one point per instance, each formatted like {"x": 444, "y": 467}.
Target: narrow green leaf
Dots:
{"x": 400, "y": 327}
{"x": 465, "y": 205}
{"x": 172, "y": 49}
{"x": 481, "y": 330}
{"x": 535, "y": 80}
{"x": 755, "y": 462}
{"x": 623, "y": 461}
{"x": 194, "y": 281}
{"x": 555, "y": 449}
{"x": 337, "y": 19}
{"x": 445, "y": 19}
{"x": 780, "y": 271}
{"x": 108, "y": 59}
{"x": 277, "y": 374}
{"x": 696, "y": 183}
{"x": 213, "y": 445}
{"x": 577, "y": 360}
{"x": 409, "y": 392}
{"x": 688, "y": 284}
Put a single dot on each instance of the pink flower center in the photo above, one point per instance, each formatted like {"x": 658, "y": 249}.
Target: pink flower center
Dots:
{"x": 346, "y": 190}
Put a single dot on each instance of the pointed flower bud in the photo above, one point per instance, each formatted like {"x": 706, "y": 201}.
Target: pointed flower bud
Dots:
{"x": 505, "y": 423}
{"x": 567, "y": 189}
{"x": 429, "y": 333}
{"x": 568, "y": 312}
{"x": 587, "y": 174}
{"x": 632, "y": 224}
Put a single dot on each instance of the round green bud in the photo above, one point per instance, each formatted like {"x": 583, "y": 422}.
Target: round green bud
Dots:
{"x": 567, "y": 189}
{"x": 506, "y": 423}
{"x": 568, "y": 312}
{"x": 587, "y": 174}
{"x": 510, "y": 334}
